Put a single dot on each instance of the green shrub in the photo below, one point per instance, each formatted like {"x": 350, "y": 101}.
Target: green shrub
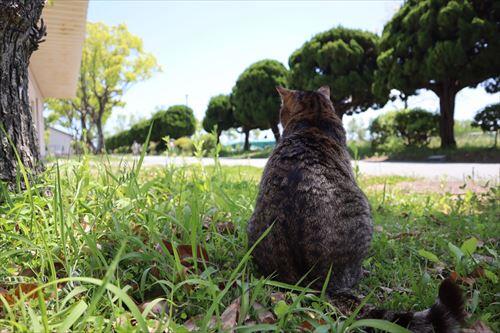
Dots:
{"x": 121, "y": 150}
{"x": 152, "y": 148}
{"x": 209, "y": 143}
{"x": 382, "y": 128}
{"x": 488, "y": 119}
{"x": 177, "y": 121}
{"x": 413, "y": 127}
{"x": 184, "y": 145}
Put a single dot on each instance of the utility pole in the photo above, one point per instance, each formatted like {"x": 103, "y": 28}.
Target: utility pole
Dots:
{"x": 187, "y": 99}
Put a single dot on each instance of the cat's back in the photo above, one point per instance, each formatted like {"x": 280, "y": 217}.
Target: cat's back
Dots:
{"x": 307, "y": 163}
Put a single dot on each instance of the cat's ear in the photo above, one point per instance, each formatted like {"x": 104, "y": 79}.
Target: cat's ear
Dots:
{"x": 284, "y": 93}
{"x": 325, "y": 91}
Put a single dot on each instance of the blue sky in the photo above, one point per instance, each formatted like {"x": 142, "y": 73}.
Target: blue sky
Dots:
{"x": 203, "y": 46}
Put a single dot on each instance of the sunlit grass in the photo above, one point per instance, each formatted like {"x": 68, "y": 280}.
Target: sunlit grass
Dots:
{"x": 88, "y": 245}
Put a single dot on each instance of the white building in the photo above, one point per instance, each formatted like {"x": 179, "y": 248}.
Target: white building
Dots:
{"x": 59, "y": 142}
{"x": 54, "y": 67}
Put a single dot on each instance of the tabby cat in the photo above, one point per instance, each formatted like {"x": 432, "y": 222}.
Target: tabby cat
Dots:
{"x": 318, "y": 220}
{"x": 308, "y": 192}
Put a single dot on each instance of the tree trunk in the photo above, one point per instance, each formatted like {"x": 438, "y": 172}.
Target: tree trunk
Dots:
{"x": 276, "y": 132}
{"x": 219, "y": 132}
{"x": 100, "y": 136}
{"x": 446, "y": 122}
{"x": 246, "y": 147}
{"x": 19, "y": 37}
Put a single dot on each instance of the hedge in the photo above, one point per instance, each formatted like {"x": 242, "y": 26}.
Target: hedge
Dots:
{"x": 177, "y": 121}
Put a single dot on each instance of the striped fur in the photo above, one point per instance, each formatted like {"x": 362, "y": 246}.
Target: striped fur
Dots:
{"x": 321, "y": 217}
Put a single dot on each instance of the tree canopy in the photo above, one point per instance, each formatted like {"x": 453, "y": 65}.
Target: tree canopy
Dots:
{"x": 113, "y": 59}
{"x": 442, "y": 46}
{"x": 219, "y": 114}
{"x": 343, "y": 59}
{"x": 255, "y": 98}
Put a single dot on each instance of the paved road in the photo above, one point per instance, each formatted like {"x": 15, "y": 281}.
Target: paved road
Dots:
{"x": 457, "y": 171}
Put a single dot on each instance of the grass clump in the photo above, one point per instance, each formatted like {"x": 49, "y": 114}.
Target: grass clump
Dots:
{"x": 96, "y": 246}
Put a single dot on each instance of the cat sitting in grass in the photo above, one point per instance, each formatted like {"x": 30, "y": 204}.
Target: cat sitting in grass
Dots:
{"x": 318, "y": 220}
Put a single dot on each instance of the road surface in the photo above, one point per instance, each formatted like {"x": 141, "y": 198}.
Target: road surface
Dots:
{"x": 434, "y": 170}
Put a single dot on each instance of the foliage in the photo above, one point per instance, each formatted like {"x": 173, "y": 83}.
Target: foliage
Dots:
{"x": 439, "y": 45}
{"x": 219, "y": 114}
{"x": 98, "y": 241}
{"x": 255, "y": 98}
{"x": 343, "y": 59}
{"x": 113, "y": 60}
{"x": 413, "y": 127}
{"x": 177, "y": 121}
{"x": 209, "y": 142}
{"x": 184, "y": 145}
{"x": 488, "y": 119}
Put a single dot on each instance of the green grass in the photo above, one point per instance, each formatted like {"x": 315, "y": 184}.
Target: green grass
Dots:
{"x": 87, "y": 244}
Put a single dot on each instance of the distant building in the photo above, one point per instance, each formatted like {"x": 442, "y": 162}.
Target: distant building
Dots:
{"x": 60, "y": 143}
{"x": 55, "y": 66}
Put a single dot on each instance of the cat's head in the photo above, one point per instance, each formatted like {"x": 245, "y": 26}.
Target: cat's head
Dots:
{"x": 311, "y": 106}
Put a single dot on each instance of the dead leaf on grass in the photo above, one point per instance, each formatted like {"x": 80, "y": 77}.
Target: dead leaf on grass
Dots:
{"x": 478, "y": 327}
{"x": 277, "y": 296}
{"x": 263, "y": 315}
{"x": 157, "y": 309}
{"x": 225, "y": 227}
{"x": 191, "y": 325}
{"x": 229, "y": 317}
{"x": 185, "y": 252}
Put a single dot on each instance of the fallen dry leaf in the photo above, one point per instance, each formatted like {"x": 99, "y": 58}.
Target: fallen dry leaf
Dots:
{"x": 478, "y": 272}
{"x": 157, "y": 309}
{"x": 191, "y": 325}
{"x": 225, "y": 227}
{"x": 277, "y": 296}
{"x": 229, "y": 317}
{"x": 185, "y": 252}
{"x": 455, "y": 277}
{"x": 478, "y": 327}
{"x": 263, "y": 315}
{"x": 306, "y": 326}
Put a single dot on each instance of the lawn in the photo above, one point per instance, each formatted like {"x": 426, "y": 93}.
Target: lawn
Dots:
{"x": 94, "y": 247}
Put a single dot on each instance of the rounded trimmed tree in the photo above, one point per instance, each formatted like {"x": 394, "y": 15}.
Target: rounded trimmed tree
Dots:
{"x": 488, "y": 119}
{"x": 219, "y": 114}
{"x": 177, "y": 121}
{"x": 343, "y": 59}
{"x": 256, "y": 102}
{"x": 443, "y": 46}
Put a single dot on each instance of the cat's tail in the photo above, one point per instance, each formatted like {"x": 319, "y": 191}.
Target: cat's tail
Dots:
{"x": 445, "y": 316}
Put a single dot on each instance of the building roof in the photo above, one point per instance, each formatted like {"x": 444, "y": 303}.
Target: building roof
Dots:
{"x": 56, "y": 64}
{"x": 51, "y": 128}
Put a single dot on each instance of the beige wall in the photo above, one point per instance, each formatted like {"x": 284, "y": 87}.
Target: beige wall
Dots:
{"x": 54, "y": 67}
{"x": 36, "y": 104}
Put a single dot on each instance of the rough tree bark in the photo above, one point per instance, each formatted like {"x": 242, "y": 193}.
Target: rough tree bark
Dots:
{"x": 20, "y": 35}
{"x": 447, "y": 94}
